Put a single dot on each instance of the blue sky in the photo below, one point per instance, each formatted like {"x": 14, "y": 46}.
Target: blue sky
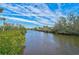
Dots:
{"x": 36, "y": 14}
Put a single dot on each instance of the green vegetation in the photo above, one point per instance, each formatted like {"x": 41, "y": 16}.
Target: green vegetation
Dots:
{"x": 44, "y": 29}
{"x": 11, "y": 42}
{"x": 12, "y": 38}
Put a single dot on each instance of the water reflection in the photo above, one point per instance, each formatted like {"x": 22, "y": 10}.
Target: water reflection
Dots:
{"x": 46, "y": 43}
{"x": 70, "y": 44}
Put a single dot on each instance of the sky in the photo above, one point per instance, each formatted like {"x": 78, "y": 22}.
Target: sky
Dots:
{"x": 36, "y": 14}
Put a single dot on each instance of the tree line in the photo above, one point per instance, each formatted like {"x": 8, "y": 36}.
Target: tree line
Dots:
{"x": 68, "y": 24}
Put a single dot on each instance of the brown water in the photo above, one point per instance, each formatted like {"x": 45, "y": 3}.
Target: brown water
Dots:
{"x": 40, "y": 43}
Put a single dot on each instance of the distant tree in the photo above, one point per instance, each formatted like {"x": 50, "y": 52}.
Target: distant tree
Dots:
{"x": 3, "y": 19}
{"x": 1, "y": 10}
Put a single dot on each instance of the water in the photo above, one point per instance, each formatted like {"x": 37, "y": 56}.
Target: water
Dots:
{"x": 40, "y": 43}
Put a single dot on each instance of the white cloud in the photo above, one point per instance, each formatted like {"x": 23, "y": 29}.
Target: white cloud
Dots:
{"x": 37, "y": 10}
{"x": 23, "y": 20}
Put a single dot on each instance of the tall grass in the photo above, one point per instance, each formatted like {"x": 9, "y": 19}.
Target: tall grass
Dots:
{"x": 11, "y": 42}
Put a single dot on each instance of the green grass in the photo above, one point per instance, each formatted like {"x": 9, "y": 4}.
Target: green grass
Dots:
{"x": 12, "y": 42}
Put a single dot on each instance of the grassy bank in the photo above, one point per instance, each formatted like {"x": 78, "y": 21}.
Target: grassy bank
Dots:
{"x": 12, "y": 42}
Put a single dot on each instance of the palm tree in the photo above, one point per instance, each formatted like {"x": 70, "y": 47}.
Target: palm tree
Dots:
{"x": 3, "y": 22}
{"x": 1, "y": 10}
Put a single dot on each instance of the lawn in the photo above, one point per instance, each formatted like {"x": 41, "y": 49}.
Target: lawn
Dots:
{"x": 12, "y": 42}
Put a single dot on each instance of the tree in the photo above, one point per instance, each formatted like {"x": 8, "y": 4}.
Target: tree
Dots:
{"x": 70, "y": 24}
{"x": 1, "y": 10}
{"x": 3, "y": 22}
{"x": 60, "y": 25}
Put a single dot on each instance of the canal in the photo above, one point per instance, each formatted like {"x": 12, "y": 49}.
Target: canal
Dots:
{"x": 40, "y": 43}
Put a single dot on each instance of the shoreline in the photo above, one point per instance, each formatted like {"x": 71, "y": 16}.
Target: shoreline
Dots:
{"x": 61, "y": 33}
